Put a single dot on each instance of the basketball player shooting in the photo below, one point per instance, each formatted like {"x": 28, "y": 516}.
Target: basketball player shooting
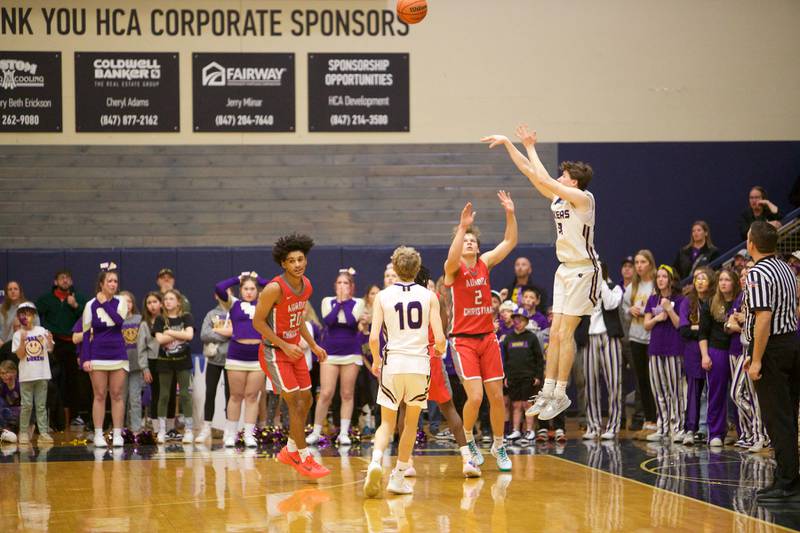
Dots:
{"x": 576, "y": 283}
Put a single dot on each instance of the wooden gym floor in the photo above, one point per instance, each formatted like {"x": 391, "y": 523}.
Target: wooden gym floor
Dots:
{"x": 580, "y": 486}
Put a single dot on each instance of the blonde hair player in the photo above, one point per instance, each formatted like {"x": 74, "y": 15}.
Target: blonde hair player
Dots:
{"x": 403, "y": 369}
{"x": 576, "y": 286}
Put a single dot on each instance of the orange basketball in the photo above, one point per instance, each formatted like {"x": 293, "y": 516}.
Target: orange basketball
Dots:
{"x": 412, "y": 11}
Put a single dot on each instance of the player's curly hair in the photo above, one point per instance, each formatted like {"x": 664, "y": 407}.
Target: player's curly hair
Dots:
{"x": 296, "y": 242}
{"x": 579, "y": 171}
{"x": 406, "y": 262}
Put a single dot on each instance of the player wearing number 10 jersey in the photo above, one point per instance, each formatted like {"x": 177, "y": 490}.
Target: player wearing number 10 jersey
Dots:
{"x": 279, "y": 320}
{"x": 476, "y": 353}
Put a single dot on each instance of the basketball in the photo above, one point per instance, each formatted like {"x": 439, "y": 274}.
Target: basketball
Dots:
{"x": 412, "y": 11}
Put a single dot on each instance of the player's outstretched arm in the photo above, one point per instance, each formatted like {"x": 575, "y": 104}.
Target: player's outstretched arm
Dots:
{"x": 439, "y": 340}
{"x": 375, "y": 336}
{"x": 453, "y": 261}
{"x": 501, "y": 251}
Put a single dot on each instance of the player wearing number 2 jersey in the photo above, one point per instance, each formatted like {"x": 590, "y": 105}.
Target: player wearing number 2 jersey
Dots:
{"x": 576, "y": 287}
{"x": 476, "y": 353}
{"x": 405, "y": 310}
{"x": 279, "y": 320}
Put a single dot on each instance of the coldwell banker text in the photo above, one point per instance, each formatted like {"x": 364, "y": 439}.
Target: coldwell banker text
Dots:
{"x": 221, "y": 22}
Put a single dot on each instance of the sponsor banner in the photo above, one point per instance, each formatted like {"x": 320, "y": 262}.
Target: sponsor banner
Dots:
{"x": 358, "y": 92}
{"x": 243, "y": 92}
{"x": 30, "y": 92}
{"x": 126, "y": 92}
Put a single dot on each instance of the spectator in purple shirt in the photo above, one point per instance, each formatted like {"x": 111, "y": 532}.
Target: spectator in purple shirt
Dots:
{"x": 340, "y": 316}
{"x": 104, "y": 355}
{"x": 699, "y": 251}
{"x": 665, "y": 352}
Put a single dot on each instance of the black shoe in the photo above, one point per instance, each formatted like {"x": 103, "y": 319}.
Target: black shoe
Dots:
{"x": 700, "y": 438}
{"x": 779, "y": 496}
{"x": 173, "y": 435}
{"x": 765, "y": 490}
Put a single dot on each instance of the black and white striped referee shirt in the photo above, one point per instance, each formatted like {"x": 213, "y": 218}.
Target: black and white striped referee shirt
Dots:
{"x": 771, "y": 286}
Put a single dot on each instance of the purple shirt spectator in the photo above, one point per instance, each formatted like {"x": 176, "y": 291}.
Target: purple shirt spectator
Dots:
{"x": 665, "y": 339}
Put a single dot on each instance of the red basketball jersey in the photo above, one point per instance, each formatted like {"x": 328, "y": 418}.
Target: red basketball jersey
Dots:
{"x": 472, "y": 301}
{"x": 287, "y": 313}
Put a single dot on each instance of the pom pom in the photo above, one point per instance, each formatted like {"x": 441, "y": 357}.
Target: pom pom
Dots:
{"x": 128, "y": 436}
{"x": 145, "y": 438}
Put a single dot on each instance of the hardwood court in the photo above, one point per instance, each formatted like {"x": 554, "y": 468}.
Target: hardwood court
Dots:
{"x": 179, "y": 488}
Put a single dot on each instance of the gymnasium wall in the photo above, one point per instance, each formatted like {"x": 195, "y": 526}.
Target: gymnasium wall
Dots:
{"x": 578, "y": 71}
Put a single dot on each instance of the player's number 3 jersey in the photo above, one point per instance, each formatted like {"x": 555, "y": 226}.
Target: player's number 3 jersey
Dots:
{"x": 406, "y": 315}
{"x": 574, "y": 231}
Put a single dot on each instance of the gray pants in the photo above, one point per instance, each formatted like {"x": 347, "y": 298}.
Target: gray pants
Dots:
{"x": 135, "y": 386}
{"x": 33, "y": 392}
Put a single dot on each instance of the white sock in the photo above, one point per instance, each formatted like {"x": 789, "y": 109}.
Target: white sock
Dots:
{"x": 188, "y": 424}
{"x": 468, "y": 435}
{"x": 561, "y": 389}
{"x": 304, "y": 453}
{"x": 498, "y": 442}
{"x": 207, "y": 426}
{"x": 230, "y": 427}
{"x": 401, "y": 466}
{"x": 117, "y": 432}
{"x": 170, "y": 424}
{"x": 377, "y": 456}
{"x": 344, "y": 427}
{"x": 162, "y": 424}
{"x": 249, "y": 428}
{"x": 549, "y": 385}
{"x": 98, "y": 433}
{"x": 466, "y": 455}
{"x": 291, "y": 445}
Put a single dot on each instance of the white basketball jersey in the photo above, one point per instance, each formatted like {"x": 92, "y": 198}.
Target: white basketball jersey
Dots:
{"x": 406, "y": 315}
{"x": 574, "y": 231}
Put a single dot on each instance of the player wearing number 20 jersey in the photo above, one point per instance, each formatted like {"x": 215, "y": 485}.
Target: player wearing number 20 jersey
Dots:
{"x": 286, "y": 319}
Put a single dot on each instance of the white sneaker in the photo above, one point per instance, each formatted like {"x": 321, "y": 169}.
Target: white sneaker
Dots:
{"x": 117, "y": 441}
{"x": 539, "y": 404}
{"x": 470, "y": 469}
{"x": 756, "y": 447}
{"x": 161, "y": 437}
{"x": 503, "y": 460}
{"x": 7, "y": 436}
{"x": 716, "y": 442}
{"x": 342, "y": 439}
{"x": 688, "y": 438}
{"x": 313, "y": 438}
{"x": 24, "y": 438}
{"x": 250, "y": 441}
{"x": 608, "y": 435}
{"x": 678, "y": 437}
{"x": 373, "y": 481}
{"x": 555, "y": 407}
{"x": 589, "y": 435}
{"x": 514, "y": 435}
{"x": 477, "y": 456}
{"x": 410, "y": 471}
{"x": 654, "y": 437}
{"x": 649, "y": 426}
{"x": 100, "y": 441}
{"x": 45, "y": 438}
{"x": 205, "y": 433}
{"x": 398, "y": 483}
{"x": 188, "y": 437}
{"x": 229, "y": 440}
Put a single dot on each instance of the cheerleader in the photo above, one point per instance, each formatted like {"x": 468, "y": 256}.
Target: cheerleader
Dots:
{"x": 752, "y": 433}
{"x": 697, "y": 297}
{"x": 715, "y": 345}
{"x": 340, "y": 314}
{"x": 665, "y": 352}
{"x": 242, "y": 369}
{"x": 103, "y": 354}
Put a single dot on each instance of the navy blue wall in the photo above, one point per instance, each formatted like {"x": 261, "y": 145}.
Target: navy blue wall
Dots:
{"x": 198, "y": 269}
{"x": 648, "y": 194}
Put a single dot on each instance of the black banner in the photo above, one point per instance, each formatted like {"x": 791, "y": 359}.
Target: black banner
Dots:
{"x": 358, "y": 92}
{"x": 243, "y": 92}
{"x": 30, "y": 91}
{"x": 126, "y": 91}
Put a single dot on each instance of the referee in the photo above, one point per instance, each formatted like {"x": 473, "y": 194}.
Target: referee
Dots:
{"x": 771, "y": 328}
